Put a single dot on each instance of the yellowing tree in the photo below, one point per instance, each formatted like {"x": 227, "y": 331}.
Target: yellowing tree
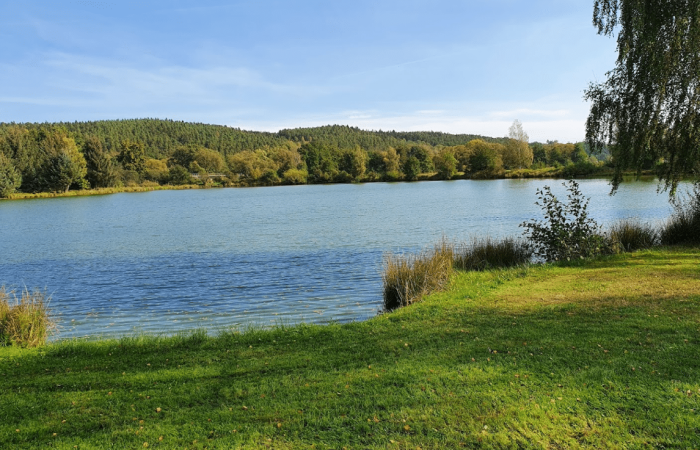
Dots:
{"x": 517, "y": 153}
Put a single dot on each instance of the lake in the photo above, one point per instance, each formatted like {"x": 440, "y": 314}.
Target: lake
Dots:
{"x": 167, "y": 261}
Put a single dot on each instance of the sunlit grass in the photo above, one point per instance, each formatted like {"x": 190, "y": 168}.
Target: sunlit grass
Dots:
{"x": 596, "y": 354}
{"x": 24, "y": 320}
{"x": 100, "y": 191}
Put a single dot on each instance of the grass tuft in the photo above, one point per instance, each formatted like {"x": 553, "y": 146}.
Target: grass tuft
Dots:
{"x": 407, "y": 278}
{"x": 24, "y": 322}
{"x": 629, "y": 235}
{"x": 684, "y": 225}
{"x": 486, "y": 253}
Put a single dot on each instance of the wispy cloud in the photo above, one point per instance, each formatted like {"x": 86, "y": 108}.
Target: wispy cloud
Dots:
{"x": 526, "y": 112}
{"x": 165, "y": 80}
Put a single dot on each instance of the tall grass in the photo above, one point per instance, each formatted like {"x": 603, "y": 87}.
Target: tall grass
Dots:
{"x": 24, "y": 322}
{"x": 629, "y": 235}
{"x": 407, "y": 278}
{"x": 486, "y": 253}
{"x": 684, "y": 225}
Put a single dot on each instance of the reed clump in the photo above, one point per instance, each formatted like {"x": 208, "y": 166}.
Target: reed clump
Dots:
{"x": 24, "y": 321}
{"x": 683, "y": 227}
{"x": 630, "y": 235}
{"x": 407, "y": 278}
{"x": 487, "y": 253}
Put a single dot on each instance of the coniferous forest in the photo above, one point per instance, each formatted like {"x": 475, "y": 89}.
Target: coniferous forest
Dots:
{"x": 58, "y": 157}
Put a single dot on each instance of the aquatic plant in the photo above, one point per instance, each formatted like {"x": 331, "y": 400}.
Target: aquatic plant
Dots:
{"x": 683, "y": 227}
{"x": 630, "y": 235}
{"x": 487, "y": 253}
{"x": 407, "y": 278}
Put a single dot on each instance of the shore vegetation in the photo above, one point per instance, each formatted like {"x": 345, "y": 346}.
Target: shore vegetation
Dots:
{"x": 56, "y": 159}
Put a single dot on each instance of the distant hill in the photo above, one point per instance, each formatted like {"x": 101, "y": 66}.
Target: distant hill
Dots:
{"x": 161, "y": 137}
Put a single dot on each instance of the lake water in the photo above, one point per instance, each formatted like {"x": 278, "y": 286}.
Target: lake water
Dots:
{"x": 166, "y": 261}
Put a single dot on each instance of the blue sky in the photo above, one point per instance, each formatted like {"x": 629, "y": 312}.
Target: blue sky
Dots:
{"x": 455, "y": 66}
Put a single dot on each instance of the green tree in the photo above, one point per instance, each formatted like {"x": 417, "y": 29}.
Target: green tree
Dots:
{"x": 579, "y": 155}
{"x": 101, "y": 171}
{"x": 461, "y": 154}
{"x": 132, "y": 156}
{"x": 354, "y": 162}
{"x": 210, "y": 160}
{"x": 183, "y": 156}
{"x": 445, "y": 164}
{"x": 65, "y": 167}
{"x": 251, "y": 165}
{"x": 411, "y": 168}
{"x": 392, "y": 161}
{"x": 321, "y": 161}
{"x": 485, "y": 156}
{"x": 649, "y": 105}
{"x": 178, "y": 175}
{"x": 10, "y": 177}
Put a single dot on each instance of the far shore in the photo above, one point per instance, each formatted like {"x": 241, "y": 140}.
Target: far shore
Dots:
{"x": 546, "y": 173}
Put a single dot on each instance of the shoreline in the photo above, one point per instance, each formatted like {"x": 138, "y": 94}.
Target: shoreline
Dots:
{"x": 547, "y": 173}
{"x": 553, "y": 354}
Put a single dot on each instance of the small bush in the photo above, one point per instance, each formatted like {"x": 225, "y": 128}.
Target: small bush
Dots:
{"x": 484, "y": 254}
{"x": 567, "y": 232}
{"x": 684, "y": 225}
{"x": 24, "y": 322}
{"x": 629, "y": 235}
{"x": 407, "y": 278}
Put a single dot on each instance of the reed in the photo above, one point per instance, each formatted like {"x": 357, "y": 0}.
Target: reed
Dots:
{"x": 630, "y": 235}
{"x": 407, "y": 278}
{"x": 487, "y": 253}
{"x": 683, "y": 227}
{"x": 24, "y": 322}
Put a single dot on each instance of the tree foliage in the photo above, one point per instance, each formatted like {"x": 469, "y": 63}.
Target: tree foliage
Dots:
{"x": 132, "y": 156}
{"x": 101, "y": 170}
{"x": 10, "y": 177}
{"x": 130, "y": 152}
{"x": 649, "y": 106}
{"x": 517, "y": 153}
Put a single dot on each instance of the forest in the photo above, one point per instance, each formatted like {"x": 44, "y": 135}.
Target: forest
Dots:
{"x": 58, "y": 157}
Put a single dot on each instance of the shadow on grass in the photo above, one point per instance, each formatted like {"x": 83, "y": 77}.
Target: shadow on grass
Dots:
{"x": 445, "y": 368}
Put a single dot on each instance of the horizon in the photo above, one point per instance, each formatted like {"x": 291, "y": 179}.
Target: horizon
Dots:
{"x": 457, "y": 67}
{"x": 283, "y": 129}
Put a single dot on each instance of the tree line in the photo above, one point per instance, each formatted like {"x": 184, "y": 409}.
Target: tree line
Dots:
{"x": 61, "y": 156}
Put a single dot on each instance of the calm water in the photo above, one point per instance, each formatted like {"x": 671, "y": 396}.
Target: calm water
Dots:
{"x": 228, "y": 258}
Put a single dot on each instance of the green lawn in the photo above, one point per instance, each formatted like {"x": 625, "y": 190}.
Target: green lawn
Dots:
{"x": 602, "y": 354}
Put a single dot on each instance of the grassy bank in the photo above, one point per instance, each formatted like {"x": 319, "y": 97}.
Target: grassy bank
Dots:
{"x": 602, "y": 354}
{"x": 101, "y": 191}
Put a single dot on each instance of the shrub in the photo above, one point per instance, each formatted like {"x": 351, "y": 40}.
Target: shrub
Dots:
{"x": 566, "y": 232}
{"x": 25, "y": 323}
{"x": 684, "y": 225}
{"x": 407, "y": 278}
{"x": 629, "y": 235}
{"x": 484, "y": 254}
